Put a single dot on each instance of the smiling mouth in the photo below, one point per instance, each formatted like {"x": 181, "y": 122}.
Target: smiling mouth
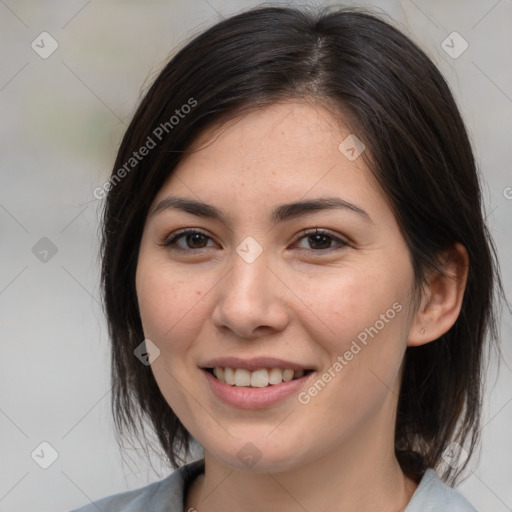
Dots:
{"x": 260, "y": 378}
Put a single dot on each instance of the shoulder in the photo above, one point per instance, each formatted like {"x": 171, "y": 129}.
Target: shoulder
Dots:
{"x": 157, "y": 497}
{"x": 433, "y": 495}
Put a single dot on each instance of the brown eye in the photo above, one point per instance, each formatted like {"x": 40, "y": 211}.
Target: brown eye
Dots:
{"x": 189, "y": 239}
{"x": 321, "y": 241}
{"x": 195, "y": 240}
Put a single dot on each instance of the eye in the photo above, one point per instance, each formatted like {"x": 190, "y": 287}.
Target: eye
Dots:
{"x": 320, "y": 241}
{"x": 192, "y": 239}
{"x": 189, "y": 238}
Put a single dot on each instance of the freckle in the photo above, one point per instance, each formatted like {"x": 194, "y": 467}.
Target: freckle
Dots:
{"x": 198, "y": 292}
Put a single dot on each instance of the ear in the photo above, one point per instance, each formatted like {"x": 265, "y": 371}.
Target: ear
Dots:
{"x": 441, "y": 298}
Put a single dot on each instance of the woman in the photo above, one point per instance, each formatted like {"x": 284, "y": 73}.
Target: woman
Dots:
{"x": 297, "y": 273}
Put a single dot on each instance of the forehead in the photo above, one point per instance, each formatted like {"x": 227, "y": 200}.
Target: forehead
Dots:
{"x": 281, "y": 153}
{"x": 286, "y": 129}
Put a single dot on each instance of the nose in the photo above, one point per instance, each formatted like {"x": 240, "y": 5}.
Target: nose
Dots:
{"x": 251, "y": 300}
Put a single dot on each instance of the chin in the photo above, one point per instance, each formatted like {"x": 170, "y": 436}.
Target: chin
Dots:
{"x": 259, "y": 454}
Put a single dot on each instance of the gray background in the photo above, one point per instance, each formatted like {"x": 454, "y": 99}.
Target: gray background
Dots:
{"x": 62, "y": 119}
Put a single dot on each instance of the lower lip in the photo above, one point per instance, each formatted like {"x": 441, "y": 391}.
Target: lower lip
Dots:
{"x": 254, "y": 398}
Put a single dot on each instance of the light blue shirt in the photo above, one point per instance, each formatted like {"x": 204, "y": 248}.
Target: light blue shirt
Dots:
{"x": 168, "y": 495}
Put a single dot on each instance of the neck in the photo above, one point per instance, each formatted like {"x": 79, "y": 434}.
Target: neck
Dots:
{"x": 357, "y": 476}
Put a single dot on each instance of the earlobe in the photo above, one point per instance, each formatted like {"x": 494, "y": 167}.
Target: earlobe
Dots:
{"x": 442, "y": 297}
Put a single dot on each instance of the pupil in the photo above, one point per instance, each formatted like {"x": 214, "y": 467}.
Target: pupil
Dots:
{"x": 316, "y": 239}
{"x": 195, "y": 239}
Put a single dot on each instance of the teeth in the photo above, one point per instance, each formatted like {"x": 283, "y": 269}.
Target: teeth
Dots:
{"x": 219, "y": 373}
{"x": 287, "y": 375}
{"x": 275, "y": 376}
{"x": 229, "y": 376}
{"x": 257, "y": 379}
{"x": 242, "y": 377}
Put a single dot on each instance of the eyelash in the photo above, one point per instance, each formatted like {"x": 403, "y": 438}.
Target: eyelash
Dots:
{"x": 342, "y": 243}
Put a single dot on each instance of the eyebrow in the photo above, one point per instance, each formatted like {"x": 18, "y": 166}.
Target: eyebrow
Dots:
{"x": 279, "y": 214}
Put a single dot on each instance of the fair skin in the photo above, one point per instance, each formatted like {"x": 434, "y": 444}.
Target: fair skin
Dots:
{"x": 303, "y": 299}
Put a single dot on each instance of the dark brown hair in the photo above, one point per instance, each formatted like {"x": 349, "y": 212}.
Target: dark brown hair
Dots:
{"x": 401, "y": 107}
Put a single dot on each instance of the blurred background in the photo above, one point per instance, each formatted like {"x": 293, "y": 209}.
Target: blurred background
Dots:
{"x": 71, "y": 77}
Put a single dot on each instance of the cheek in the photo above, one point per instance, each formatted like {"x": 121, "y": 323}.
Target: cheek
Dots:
{"x": 168, "y": 305}
{"x": 351, "y": 300}
{"x": 365, "y": 310}
{"x": 168, "y": 302}
{"x": 365, "y": 344}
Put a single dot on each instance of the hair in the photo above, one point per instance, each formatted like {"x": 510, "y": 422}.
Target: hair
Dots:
{"x": 419, "y": 152}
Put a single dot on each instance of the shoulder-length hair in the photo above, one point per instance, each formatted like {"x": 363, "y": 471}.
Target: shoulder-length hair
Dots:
{"x": 417, "y": 148}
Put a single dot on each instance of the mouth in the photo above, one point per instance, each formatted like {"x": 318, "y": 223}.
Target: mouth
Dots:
{"x": 259, "y": 378}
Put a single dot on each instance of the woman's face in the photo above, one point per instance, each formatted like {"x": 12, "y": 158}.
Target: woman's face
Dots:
{"x": 256, "y": 289}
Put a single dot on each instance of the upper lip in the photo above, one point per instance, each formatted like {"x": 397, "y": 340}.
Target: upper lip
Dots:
{"x": 252, "y": 364}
